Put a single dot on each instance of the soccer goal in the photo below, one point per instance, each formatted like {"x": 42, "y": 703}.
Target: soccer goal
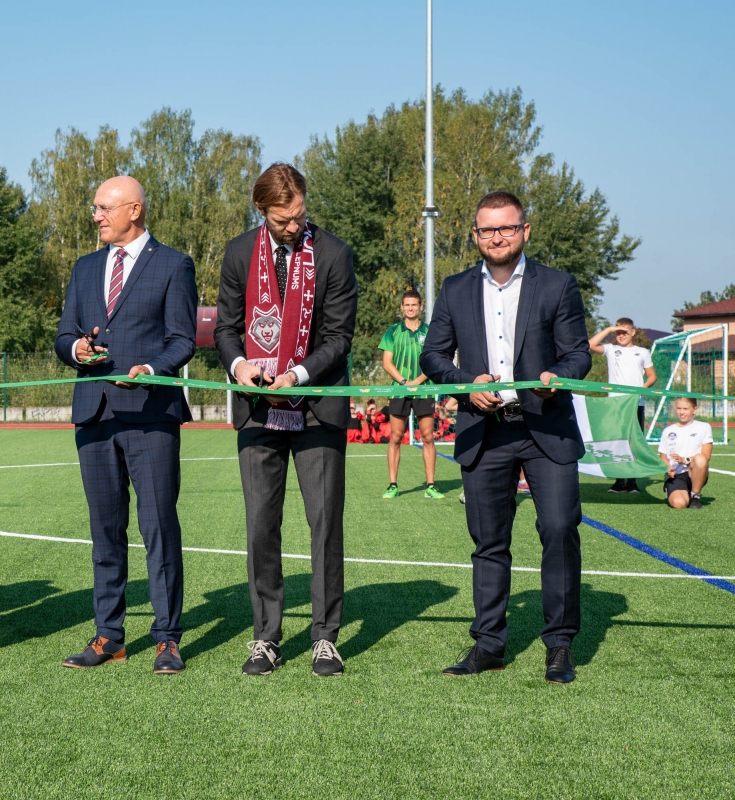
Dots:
{"x": 691, "y": 361}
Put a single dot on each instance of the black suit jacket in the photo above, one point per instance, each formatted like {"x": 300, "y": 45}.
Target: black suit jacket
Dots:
{"x": 154, "y": 322}
{"x": 550, "y": 335}
{"x": 335, "y": 309}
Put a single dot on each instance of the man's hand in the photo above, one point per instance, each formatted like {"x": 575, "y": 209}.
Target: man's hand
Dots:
{"x": 545, "y": 378}
{"x": 246, "y": 374}
{"x": 284, "y": 381}
{"x": 134, "y": 372}
{"x": 85, "y": 350}
{"x": 417, "y": 381}
{"x": 485, "y": 401}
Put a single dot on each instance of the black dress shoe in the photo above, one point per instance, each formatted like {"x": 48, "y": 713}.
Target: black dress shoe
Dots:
{"x": 559, "y": 665}
{"x": 98, "y": 651}
{"x": 474, "y": 660}
{"x": 168, "y": 659}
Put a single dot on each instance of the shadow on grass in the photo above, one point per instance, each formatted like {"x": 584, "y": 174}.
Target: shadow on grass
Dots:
{"x": 57, "y": 613}
{"x": 381, "y": 608}
{"x": 650, "y": 493}
{"x": 24, "y": 593}
{"x": 442, "y": 486}
{"x": 526, "y": 619}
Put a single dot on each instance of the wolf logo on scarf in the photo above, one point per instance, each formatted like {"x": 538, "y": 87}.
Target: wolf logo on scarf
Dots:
{"x": 265, "y": 329}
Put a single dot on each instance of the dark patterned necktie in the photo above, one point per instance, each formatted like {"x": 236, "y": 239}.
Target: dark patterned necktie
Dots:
{"x": 281, "y": 270}
{"x": 116, "y": 281}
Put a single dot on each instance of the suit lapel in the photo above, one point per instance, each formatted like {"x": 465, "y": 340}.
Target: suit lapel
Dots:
{"x": 140, "y": 264}
{"x": 525, "y": 301}
{"x": 478, "y": 309}
{"x": 100, "y": 279}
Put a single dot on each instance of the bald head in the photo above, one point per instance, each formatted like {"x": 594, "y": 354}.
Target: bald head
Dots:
{"x": 120, "y": 210}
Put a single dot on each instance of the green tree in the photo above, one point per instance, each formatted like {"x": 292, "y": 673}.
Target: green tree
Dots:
{"x": 704, "y": 300}
{"x": 26, "y": 322}
{"x": 367, "y": 186}
{"x": 64, "y": 182}
{"x": 198, "y": 191}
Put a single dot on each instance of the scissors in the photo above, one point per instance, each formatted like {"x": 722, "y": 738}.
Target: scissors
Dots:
{"x": 89, "y": 338}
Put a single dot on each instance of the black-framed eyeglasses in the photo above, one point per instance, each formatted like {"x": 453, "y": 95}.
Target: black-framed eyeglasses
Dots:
{"x": 105, "y": 210}
{"x": 506, "y": 231}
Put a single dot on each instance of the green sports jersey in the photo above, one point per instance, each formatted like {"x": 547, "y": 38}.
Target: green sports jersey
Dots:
{"x": 406, "y": 346}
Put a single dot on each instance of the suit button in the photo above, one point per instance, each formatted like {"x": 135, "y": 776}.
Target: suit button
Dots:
{"x": 107, "y": 330}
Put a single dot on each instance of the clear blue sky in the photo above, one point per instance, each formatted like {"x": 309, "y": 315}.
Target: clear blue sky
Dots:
{"x": 638, "y": 97}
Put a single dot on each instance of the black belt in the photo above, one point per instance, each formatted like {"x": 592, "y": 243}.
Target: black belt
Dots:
{"x": 510, "y": 410}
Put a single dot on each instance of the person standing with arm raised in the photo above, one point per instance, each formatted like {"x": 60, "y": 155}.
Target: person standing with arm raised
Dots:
{"x": 511, "y": 318}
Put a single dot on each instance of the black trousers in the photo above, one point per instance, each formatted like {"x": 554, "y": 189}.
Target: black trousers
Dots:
{"x": 111, "y": 454}
{"x": 490, "y": 495}
{"x": 319, "y": 458}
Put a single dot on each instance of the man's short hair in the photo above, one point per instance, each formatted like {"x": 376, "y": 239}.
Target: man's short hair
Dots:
{"x": 626, "y": 321}
{"x": 411, "y": 293}
{"x": 278, "y": 185}
{"x": 501, "y": 200}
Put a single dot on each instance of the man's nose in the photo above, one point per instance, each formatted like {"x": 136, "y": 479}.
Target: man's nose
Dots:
{"x": 292, "y": 226}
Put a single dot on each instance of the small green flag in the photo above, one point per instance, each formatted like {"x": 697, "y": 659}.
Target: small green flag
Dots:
{"x": 615, "y": 444}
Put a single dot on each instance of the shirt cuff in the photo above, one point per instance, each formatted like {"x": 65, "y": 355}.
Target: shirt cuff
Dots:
{"x": 74, "y": 353}
{"x": 149, "y": 368}
{"x": 301, "y": 373}
{"x": 234, "y": 364}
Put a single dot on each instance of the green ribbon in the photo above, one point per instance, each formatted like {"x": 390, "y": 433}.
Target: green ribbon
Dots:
{"x": 424, "y": 390}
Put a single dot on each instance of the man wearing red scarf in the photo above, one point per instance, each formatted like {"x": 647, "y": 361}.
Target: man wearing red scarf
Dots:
{"x": 286, "y": 315}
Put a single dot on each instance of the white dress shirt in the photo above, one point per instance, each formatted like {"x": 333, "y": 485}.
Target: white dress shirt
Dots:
{"x": 300, "y": 372}
{"x": 132, "y": 250}
{"x": 501, "y": 309}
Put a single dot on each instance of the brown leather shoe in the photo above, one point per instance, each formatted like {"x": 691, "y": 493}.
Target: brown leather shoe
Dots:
{"x": 168, "y": 659}
{"x": 98, "y": 651}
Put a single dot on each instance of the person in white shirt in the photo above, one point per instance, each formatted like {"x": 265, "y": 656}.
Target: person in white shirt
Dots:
{"x": 628, "y": 364}
{"x": 686, "y": 448}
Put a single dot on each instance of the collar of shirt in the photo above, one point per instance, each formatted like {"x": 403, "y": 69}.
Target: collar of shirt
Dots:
{"x": 517, "y": 272}
{"x": 134, "y": 248}
{"x": 274, "y": 245}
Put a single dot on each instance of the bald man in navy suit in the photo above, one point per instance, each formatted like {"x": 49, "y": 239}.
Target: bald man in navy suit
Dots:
{"x": 130, "y": 310}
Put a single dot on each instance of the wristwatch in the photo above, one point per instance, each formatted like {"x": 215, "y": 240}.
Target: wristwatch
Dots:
{"x": 296, "y": 377}
{"x": 687, "y": 461}
{"x": 402, "y": 383}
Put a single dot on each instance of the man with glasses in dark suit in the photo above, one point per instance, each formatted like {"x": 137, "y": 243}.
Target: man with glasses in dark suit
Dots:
{"x": 130, "y": 310}
{"x": 511, "y": 318}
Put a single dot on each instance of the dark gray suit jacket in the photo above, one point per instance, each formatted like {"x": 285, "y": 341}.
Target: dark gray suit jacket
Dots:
{"x": 154, "y": 322}
{"x": 550, "y": 336}
{"x": 335, "y": 309}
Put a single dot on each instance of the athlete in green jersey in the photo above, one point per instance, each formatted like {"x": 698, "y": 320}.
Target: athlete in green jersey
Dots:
{"x": 401, "y": 345}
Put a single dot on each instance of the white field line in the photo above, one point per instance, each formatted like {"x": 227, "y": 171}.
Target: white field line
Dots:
{"x": 721, "y": 471}
{"x": 389, "y": 562}
{"x": 213, "y": 458}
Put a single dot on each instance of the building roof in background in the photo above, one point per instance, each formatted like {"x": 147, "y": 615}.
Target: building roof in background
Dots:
{"x": 653, "y": 334}
{"x": 723, "y": 307}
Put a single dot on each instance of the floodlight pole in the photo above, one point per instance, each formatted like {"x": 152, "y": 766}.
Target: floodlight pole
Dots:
{"x": 429, "y": 212}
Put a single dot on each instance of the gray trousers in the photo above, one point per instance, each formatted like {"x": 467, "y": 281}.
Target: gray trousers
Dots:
{"x": 319, "y": 458}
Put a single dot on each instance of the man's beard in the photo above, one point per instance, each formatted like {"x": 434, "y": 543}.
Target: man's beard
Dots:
{"x": 507, "y": 257}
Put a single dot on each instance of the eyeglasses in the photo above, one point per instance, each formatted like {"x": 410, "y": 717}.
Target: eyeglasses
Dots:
{"x": 105, "y": 210}
{"x": 506, "y": 231}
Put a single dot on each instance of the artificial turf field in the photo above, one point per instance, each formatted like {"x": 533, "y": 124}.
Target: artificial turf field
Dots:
{"x": 650, "y": 714}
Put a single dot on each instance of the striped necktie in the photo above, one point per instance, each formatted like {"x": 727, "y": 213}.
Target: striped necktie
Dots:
{"x": 116, "y": 282}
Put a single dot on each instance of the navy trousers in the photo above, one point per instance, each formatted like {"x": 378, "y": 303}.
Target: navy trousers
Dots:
{"x": 490, "y": 502}
{"x": 111, "y": 454}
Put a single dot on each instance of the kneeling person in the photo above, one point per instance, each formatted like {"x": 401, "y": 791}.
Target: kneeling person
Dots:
{"x": 401, "y": 345}
{"x": 686, "y": 448}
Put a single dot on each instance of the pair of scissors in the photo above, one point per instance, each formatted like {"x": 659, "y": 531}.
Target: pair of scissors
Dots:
{"x": 89, "y": 338}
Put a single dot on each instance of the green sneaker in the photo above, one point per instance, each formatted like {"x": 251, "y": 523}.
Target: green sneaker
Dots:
{"x": 431, "y": 491}
{"x": 391, "y": 492}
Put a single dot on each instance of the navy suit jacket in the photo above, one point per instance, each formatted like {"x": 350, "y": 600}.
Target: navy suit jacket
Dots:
{"x": 154, "y": 322}
{"x": 550, "y": 335}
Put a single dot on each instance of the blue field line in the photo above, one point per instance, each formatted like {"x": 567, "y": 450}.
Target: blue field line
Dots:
{"x": 654, "y": 552}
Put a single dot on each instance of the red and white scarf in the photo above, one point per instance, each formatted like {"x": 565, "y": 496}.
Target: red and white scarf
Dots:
{"x": 277, "y": 333}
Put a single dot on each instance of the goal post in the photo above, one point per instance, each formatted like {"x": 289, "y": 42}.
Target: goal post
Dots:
{"x": 691, "y": 361}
